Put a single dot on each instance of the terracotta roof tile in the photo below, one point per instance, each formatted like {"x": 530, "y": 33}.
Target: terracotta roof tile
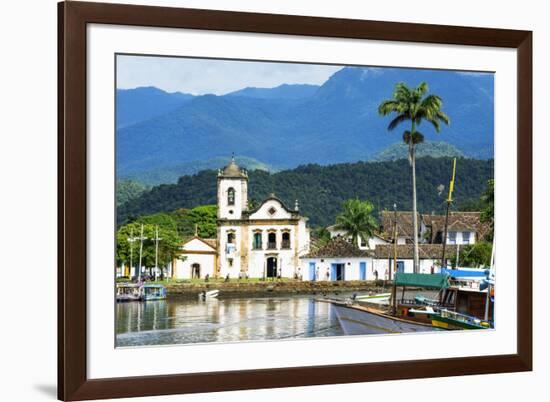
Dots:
{"x": 406, "y": 251}
{"x": 338, "y": 247}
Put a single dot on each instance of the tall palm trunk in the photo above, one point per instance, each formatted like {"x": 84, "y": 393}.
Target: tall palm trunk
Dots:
{"x": 412, "y": 150}
{"x": 415, "y": 215}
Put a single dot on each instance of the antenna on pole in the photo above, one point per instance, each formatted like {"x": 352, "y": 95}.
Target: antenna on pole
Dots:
{"x": 449, "y": 201}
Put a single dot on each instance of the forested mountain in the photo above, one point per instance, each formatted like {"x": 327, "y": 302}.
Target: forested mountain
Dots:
{"x": 171, "y": 174}
{"x": 338, "y": 123}
{"x": 127, "y": 190}
{"x": 143, "y": 103}
{"x": 284, "y": 91}
{"x": 322, "y": 189}
{"x": 435, "y": 149}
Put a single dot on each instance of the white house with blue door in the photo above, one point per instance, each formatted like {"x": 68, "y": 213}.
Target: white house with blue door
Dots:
{"x": 338, "y": 260}
{"x": 429, "y": 257}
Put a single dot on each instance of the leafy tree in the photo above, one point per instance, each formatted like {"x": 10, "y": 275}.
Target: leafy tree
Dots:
{"x": 411, "y": 104}
{"x": 168, "y": 245}
{"x": 202, "y": 218}
{"x": 321, "y": 235}
{"x": 357, "y": 220}
{"x": 321, "y": 190}
{"x": 127, "y": 190}
{"x": 474, "y": 255}
{"x": 488, "y": 212}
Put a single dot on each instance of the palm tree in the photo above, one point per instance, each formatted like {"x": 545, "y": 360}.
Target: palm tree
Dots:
{"x": 411, "y": 104}
{"x": 357, "y": 220}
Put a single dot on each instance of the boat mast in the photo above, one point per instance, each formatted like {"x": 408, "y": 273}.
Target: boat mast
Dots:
{"x": 449, "y": 201}
{"x": 394, "y": 289}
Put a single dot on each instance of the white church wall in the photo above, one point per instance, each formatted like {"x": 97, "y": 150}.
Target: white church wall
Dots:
{"x": 184, "y": 268}
{"x": 263, "y": 212}
{"x": 287, "y": 263}
{"x": 230, "y": 257}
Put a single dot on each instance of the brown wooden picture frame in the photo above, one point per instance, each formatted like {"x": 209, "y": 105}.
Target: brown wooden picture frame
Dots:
{"x": 73, "y": 383}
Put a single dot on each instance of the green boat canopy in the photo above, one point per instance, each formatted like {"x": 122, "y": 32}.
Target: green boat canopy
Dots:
{"x": 437, "y": 281}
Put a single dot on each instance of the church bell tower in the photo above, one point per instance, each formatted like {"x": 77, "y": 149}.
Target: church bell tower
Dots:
{"x": 232, "y": 191}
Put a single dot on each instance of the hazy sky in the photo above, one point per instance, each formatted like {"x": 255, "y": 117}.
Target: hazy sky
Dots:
{"x": 202, "y": 76}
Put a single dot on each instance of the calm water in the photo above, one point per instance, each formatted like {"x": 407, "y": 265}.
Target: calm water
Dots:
{"x": 177, "y": 321}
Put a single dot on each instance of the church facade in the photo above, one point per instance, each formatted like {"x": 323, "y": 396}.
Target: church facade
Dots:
{"x": 262, "y": 242}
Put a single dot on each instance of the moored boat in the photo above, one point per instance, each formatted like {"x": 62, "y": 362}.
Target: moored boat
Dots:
{"x": 211, "y": 294}
{"x": 153, "y": 292}
{"x": 361, "y": 320}
{"x": 447, "y": 319}
{"x": 126, "y": 292}
{"x": 364, "y": 318}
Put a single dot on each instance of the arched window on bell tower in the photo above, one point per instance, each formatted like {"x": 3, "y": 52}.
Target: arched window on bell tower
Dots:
{"x": 231, "y": 196}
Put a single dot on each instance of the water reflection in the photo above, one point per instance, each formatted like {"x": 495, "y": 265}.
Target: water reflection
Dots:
{"x": 176, "y": 321}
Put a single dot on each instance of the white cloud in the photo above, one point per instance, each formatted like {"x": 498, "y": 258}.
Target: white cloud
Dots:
{"x": 201, "y": 76}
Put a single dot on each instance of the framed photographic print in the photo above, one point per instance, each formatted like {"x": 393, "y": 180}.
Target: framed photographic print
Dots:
{"x": 253, "y": 200}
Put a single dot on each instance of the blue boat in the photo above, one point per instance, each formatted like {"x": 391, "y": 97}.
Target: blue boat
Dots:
{"x": 152, "y": 292}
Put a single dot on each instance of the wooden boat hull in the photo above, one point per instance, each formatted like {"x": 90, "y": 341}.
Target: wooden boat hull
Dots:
{"x": 449, "y": 323}
{"x": 127, "y": 298}
{"x": 356, "y": 320}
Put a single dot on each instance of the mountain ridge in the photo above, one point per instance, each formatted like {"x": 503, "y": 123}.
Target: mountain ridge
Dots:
{"x": 338, "y": 123}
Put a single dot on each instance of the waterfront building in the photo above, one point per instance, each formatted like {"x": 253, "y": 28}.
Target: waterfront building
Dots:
{"x": 262, "y": 242}
{"x": 338, "y": 260}
{"x": 198, "y": 258}
{"x": 463, "y": 227}
{"x": 429, "y": 257}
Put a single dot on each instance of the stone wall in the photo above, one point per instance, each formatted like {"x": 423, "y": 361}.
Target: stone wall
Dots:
{"x": 275, "y": 288}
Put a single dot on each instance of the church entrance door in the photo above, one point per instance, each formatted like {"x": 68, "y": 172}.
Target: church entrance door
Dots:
{"x": 195, "y": 271}
{"x": 271, "y": 267}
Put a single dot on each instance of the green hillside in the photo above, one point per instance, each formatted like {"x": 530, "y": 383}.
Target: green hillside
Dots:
{"x": 322, "y": 189}
{"x": 435, "y": 149}
{"x": 171, "y": 174}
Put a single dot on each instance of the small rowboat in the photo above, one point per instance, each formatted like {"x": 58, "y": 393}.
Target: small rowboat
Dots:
{"x": 211, "y": 294}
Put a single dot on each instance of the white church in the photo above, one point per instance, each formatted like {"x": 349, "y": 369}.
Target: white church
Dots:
{"x": 264, "y": 242}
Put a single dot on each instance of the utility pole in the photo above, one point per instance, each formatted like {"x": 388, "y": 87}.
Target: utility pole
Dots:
{"x": 449, "y": 201}
{"x": 156, "y": 239}
{"x": 141, "y": 238}
{"x": 131, "y": 240}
